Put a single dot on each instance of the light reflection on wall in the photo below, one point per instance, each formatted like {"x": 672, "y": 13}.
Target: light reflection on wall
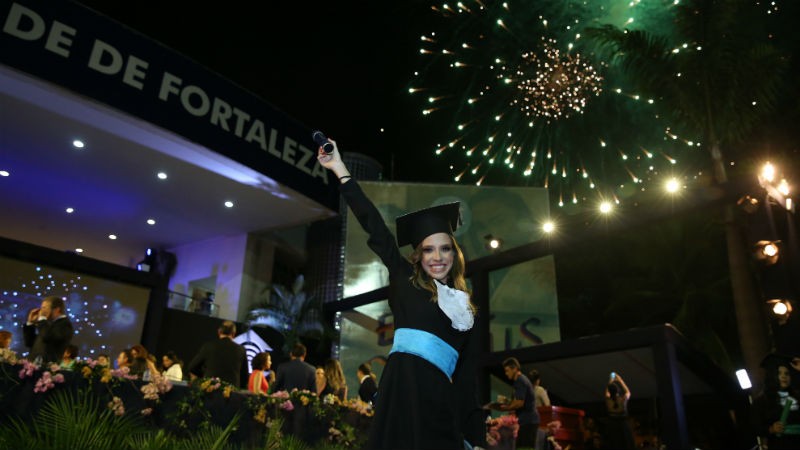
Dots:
{"x": 107, "y": 316}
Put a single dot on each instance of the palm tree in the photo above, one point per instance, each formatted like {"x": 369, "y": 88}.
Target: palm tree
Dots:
{"x": 720, "y": 87}
{"x": 291, "y": 312}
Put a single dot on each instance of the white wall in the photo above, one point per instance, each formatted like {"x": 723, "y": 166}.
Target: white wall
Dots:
{"x": 222, "y": 257}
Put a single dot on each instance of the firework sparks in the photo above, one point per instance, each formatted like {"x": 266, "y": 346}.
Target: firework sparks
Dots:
{"x": 530, "y": 103}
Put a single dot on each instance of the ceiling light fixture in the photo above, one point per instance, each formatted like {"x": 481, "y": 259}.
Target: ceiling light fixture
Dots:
{"x": 767, "y": 251}
{"x": 77, "y": 143}
{"x": 4, "y": 173}
{"x": 151, "y": 221}
{"x": 162, "y": 176}
{"x": 112, "y": 236}
{"x": 70, "y": 210}
{"x": 229, "y": 204}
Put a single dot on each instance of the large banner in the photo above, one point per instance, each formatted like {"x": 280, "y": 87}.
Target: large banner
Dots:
{"x": 108, "y": 316}
{"x": 80, "y": 50}
{"x": 523, "y": 302}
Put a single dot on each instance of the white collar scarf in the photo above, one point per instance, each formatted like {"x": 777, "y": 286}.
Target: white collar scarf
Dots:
{"x": 455, "y": 304}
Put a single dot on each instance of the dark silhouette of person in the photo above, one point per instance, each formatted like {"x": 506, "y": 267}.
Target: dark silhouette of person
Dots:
{"x": 222, "y": 358}
{"x": 296, "y": 373}
{"x": 776, "y": 412}
{"x": 617, "y": 434}
{"x": 48, "y": 330}
{"x": 368, "y": 387}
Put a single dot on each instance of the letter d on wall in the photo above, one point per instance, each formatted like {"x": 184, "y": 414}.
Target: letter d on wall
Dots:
{"x": 13, "y": 25}
{"x": 97, "y": 60}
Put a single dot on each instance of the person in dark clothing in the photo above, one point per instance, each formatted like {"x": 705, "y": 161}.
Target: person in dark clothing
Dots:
{"x": 522, "y": 404}
{"x": 222, "y": 358}
{"x": 48, "y": 331}
{"x": 367, "y": 388}
{"x": 776, "y": 413}
{"x": 617, "y": 433}
{"x": 296, "y": 373}
{"x": 427, "y": 396}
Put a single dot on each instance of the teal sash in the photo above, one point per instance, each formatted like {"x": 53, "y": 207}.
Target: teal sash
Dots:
{"x": 427, "y": 346}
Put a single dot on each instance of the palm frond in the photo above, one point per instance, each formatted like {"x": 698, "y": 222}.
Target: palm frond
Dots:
{"x": 211, "y": 437}
{"x": 70, "y": 420}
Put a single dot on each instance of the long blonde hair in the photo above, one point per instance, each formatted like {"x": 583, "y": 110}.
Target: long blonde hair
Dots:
{"x": 334, "y": 375}
{"x": 420, "y": 279}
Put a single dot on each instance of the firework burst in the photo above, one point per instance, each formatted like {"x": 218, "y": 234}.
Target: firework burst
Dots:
{"x": 522, "y": 99}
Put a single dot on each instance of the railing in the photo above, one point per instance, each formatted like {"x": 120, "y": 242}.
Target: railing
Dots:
{"x": 186, "y": 303}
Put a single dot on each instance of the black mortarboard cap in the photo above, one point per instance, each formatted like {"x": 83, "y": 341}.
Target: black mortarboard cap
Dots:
{"x": 413, "y": 228}
{"x": 773, "y": 360}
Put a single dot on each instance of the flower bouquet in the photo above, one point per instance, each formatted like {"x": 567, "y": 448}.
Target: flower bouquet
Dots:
{"x": 501, "y": 433}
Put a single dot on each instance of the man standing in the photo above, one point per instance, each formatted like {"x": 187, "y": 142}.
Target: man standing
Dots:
{"x": 367, "y": 388}
{"x": 522, "y": 404}
{"x": 222, "y": 358}
{"x": 296, "y": 373}
{"x": 48, "y": 330}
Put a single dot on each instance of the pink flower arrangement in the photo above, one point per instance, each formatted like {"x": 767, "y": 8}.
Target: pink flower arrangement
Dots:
{"x": 287, "y": 405}
{"x": 508, "y": 421}
{"x": 47, "y": 381}
{"x": 359, "y": 406}
{"x": 123, "y": 372}
{"x": 280, "y": 395}
{"x": 27, "y": 369}
{"x": 150, "y": 391}
{"x": 158, "y": 385}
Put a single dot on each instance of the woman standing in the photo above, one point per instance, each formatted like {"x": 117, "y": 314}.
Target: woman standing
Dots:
{"x": 322, "y": 383}
{"x": 618, "y": 433}
{"x": 335, "y": 382}
{"x": 427, "y": 393}
{"x": 776, "y": 414}
{"x": 258, "y": 383}
{"x": 172, "y": 366}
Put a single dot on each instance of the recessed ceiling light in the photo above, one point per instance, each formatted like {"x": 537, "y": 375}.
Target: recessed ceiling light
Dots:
{"x": 4, "y": 173}
{"x": 151, "y": 221}
{"x": 162, "y": 176}
{"x": 78, "y": 250}
{"x": 112, "y": 236}
{"x": 229, "y": 204}
{"x": 78, "y": 143}
{"x": 70, "y": 210}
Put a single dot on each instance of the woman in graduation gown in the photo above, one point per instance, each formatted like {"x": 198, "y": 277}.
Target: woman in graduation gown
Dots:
{"x": 427, "y": 393}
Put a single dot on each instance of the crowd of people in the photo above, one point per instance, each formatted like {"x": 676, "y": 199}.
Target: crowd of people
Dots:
{"x": 427, "y": 396}
{"x": 48, "y": 334}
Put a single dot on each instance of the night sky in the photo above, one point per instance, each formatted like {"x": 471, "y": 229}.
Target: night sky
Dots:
{"x": 346, "y": 68}
{"x": 341, "y": 67}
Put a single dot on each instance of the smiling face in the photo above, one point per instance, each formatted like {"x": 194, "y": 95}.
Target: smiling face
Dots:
{"x": 437, "y": 256}
{"x": 784, "y": 378}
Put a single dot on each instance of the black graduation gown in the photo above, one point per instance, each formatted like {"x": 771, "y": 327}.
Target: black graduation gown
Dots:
{"x": 417, "y": 406}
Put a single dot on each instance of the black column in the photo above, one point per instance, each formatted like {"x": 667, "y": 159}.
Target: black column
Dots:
{"x": 673, "y": 420}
